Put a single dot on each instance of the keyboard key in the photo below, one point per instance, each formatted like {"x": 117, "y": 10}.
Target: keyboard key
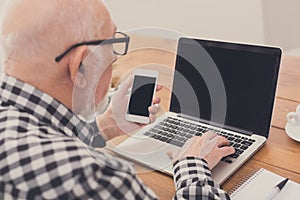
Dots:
{"x": 154, "y": 130}
{"x": 227, "y": 159}
{"x": 169, "y": 125}
{"x": 204, "y": 130}
{"x": 174, "y": 127}
{"x": 236, "y": 145}
{"x": 159, "y": 127}
{"x": 162, "y": 123}
{"x": 238, "y": 151}
{"x": 156, "y": 137}
{"x": 163, "y": 139}
{"x": 182, "y": 133}
{"x": 163, "y": 133}
{"x": 168, "y": 140}
{"x": 247, "y": 143}
{"x": 244, "y": 147}
{"x": 188, "y": 136}
{"x": 225, "y": 136}
{"x": 165, "y": 129}
{"x": 234, "y": 155}
{"x": 237, "y": 140}
{"x": 186, "y": 130}
{"x": 177, "y": 143}
{"x": 187, "y": 126}
{"x": 200, "y": 130}
{"x": 171, "y": 122}
{"x": 198, "y": 134}
{"x": 177, "y": 137}
{"x": 180, "y": 128}
{"x": 148, "y": 133}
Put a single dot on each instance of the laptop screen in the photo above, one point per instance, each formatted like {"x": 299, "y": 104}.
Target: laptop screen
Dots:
{"x": 226, "y": 84}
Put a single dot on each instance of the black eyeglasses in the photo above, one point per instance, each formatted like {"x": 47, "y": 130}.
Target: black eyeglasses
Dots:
{"x": 120, "y": 43}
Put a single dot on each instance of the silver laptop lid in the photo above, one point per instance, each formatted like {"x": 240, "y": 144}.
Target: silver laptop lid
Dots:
{"x": 229, "y": 84}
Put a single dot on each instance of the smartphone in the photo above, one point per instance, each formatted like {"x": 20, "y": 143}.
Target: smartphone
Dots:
{"x": 141, "y": 95}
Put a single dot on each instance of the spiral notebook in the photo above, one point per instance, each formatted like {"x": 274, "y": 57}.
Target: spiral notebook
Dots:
{"x": 259, "y": 183}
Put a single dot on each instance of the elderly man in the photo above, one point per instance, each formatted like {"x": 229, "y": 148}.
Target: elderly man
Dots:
{"x": 46, "y": 150}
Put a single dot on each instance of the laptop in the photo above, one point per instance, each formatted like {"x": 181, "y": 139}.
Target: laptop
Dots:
{"x": 224, "y": 87}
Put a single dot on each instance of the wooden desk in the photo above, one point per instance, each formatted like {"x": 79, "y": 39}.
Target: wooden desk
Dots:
{"x": 280, "y": 154}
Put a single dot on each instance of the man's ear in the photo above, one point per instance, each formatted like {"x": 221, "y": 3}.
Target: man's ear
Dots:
{"x": 76, "y": 68}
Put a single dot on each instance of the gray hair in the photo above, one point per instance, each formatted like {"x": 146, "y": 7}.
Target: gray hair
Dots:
{"x": 54, "y": 27}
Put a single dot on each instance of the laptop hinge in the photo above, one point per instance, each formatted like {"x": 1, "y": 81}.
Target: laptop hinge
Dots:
{"x": 215, "y": 124}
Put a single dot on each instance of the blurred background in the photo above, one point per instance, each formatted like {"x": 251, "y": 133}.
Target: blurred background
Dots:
{"x": 270, "y": 22}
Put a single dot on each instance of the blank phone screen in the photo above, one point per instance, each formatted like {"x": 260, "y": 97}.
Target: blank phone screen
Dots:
{"x": 141, "y": 95}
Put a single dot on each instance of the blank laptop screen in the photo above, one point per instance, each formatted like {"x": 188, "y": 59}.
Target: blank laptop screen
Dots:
{"x": 226, "y": 83}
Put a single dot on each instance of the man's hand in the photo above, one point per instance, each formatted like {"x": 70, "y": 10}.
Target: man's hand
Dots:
{"x": 113, "y": 123}
{"x": 211, "y": 147}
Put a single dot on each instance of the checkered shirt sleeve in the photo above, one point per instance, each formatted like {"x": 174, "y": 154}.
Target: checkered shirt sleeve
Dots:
{"x": 193, "y": 180}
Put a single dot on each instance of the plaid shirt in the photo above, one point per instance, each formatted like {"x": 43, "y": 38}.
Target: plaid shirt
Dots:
{"x": 46, "y": 153}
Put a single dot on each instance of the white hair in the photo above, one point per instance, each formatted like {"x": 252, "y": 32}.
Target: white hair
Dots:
{"x": 47, "y": 27}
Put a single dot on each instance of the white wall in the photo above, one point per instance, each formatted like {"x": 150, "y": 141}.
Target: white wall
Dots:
{"x": 282, "y": 24}
{"x": 255, "y": 21}
{"x": 235, "y": 20}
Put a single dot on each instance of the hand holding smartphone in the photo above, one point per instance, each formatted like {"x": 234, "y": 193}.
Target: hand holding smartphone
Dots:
{"x": 142, "y": 92}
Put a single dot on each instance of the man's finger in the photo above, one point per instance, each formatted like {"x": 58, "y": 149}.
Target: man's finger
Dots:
{"x": 158, "y": 87}
{"x": 156, "y": 100}
{"x": 152, "y": 118}
{"x": 222, "y": 141}
{"x": 210, "y": 135}
{"x": 225, "y": 151}
{"x": 153, "y": 109}
{"x": 170, "y": 153}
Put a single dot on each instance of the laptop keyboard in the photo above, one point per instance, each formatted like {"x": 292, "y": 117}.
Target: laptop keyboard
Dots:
{"x": 177, "y": 132}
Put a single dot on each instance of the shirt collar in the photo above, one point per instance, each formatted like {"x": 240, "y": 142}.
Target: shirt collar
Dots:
{"x": 50, "y": 111}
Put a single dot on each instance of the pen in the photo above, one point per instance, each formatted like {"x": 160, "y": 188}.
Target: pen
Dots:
{"x": 276, "y": 189}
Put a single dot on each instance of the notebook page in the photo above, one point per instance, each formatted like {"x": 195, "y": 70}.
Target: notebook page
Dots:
{"x": 290, "y": 192}
{"x": 259, "y": 185}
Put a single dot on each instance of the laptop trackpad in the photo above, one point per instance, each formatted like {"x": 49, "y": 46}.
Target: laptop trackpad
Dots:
{"x": 140, "y": 147}
{"x": 160, "y": 160}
